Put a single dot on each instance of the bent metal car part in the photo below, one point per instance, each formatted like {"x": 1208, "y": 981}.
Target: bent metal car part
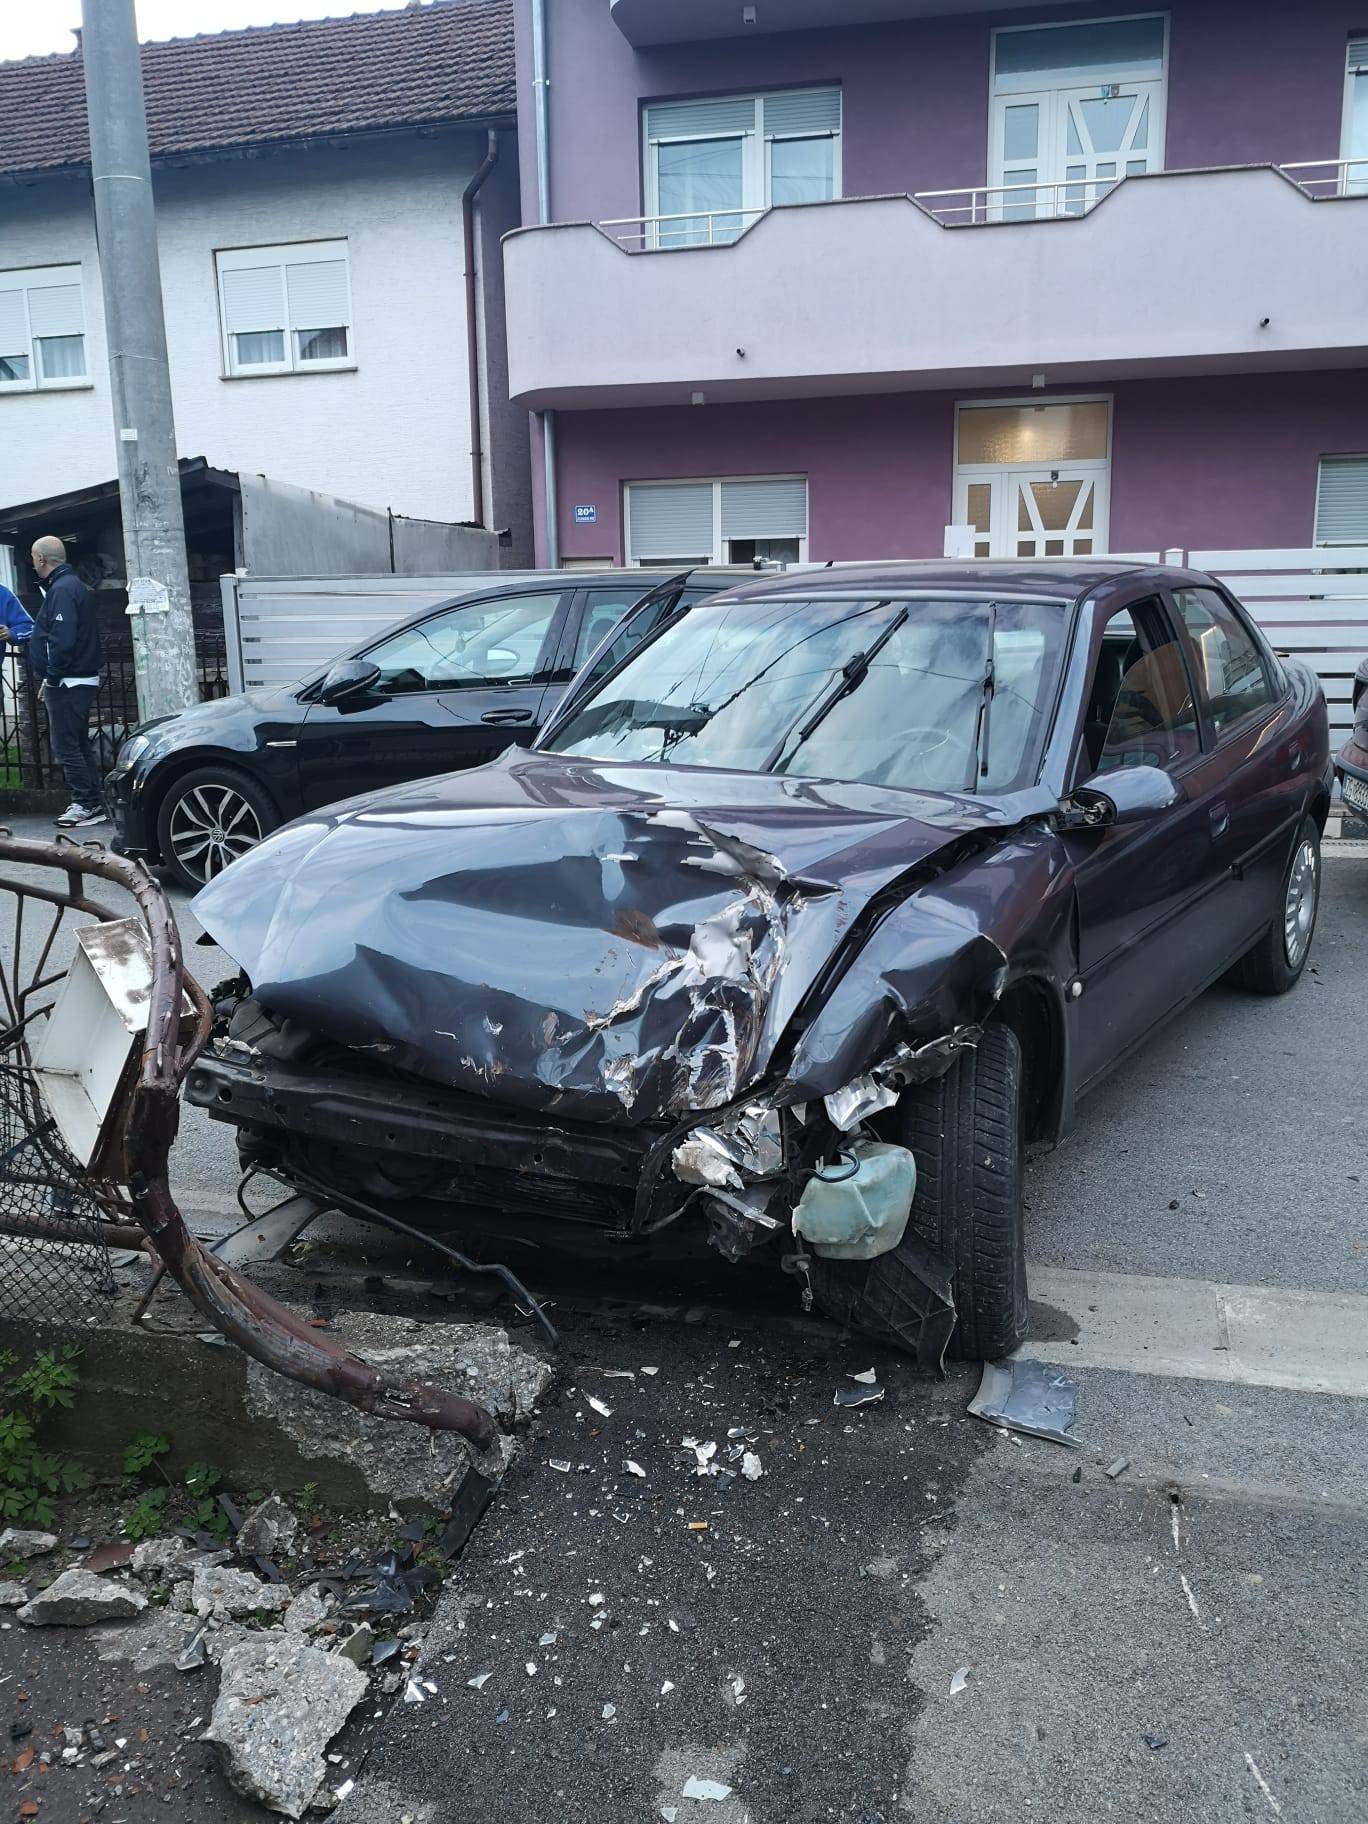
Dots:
{"x": 46, "y": 885}
{"x": 793, "y": 928}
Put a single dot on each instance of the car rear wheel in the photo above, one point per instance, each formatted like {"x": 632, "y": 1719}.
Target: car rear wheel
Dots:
{"x": 210, "y": 818}
{"x": 1275, "y": 963}
{"x": 964, "y": 1130}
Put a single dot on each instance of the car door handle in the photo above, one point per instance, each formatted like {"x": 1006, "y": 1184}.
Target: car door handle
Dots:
{"x": 507, "y": 715}
{"x": 1295, "y": 756}
{"x": 1220, "y": 819}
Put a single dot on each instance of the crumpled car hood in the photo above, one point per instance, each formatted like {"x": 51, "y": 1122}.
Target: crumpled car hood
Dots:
{"x": 615, "y": 942}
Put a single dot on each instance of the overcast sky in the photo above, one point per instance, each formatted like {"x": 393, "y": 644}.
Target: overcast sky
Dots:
{"x": 33, "y": 30}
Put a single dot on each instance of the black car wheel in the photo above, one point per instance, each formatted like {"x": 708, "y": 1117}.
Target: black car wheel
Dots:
{"x": 1275, "y": 963}
{"x": 964, "y": 1130}
{"x": 208, "y": 819}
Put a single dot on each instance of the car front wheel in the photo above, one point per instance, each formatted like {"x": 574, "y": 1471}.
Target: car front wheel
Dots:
{"x": 964, "y": 1131}
{"x": 1275, "y": 962}
{"x": 210, "y": 818}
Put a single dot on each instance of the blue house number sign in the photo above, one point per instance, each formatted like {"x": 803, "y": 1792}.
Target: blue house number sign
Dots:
{"x": 585, "y": 516}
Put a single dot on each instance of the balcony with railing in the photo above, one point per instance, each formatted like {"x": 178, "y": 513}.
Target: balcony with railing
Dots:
{"x": 650, "y": 22}
{"x": 1239, "y": 268}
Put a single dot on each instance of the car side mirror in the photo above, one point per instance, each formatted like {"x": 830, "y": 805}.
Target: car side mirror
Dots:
{"x": 1129, "y": 794}
{"x": 348, "y": 680}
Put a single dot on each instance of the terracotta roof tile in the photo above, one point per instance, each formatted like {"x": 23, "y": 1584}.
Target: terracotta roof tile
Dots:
{"x": 449, "y": 60}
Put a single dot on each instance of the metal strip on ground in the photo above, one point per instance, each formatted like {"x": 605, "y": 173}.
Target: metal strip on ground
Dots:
{"x": 1249, "y": 1336}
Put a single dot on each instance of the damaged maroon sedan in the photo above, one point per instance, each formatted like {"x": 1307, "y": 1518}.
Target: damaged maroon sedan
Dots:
{"x": 813, "y": 905}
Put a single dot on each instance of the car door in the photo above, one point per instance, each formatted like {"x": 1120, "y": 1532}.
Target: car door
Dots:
{"x": 454, "y": 690}
{"x": 1260, "y": 757}
{"x": 1149, "y": 895}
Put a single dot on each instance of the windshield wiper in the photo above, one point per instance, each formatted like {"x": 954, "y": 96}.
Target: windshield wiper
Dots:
{"x": 978, "y": 765}
{"x": 852, "y": 674}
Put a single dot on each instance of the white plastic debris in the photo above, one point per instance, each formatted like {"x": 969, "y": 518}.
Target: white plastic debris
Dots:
{"x": 751, "y": 1467}
{"x": 667, "y": 1687}
{"x": 478, "y": 1683}
{"x": 868, "y": 1378}
{"x": 959, "y": 1681}
{"x": 650, "y": 1371}
{"x": 694, "y": 1788}
{"x": 597, "y": 1598}
{"x": 604, "y": 1412}
{"x": 858, "y": 1396}
{"x": 560, "y": 1464}
{"x": 531, "y": 1668}
{"x": 738, "y": 1686}
{"x": 342, "y": 1791}
{"x": 633, "y": 1469}
{"x": 609, "y": 1712}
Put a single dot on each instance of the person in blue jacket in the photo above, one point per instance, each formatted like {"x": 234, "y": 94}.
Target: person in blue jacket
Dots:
{"x": 15, "y": 623}
{"x": 64, "y": 653}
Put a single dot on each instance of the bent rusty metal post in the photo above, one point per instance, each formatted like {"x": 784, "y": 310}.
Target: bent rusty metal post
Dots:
{"x": 261, "y": 1327}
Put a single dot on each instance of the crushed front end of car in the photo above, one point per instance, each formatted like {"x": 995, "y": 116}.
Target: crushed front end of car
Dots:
{"x": 563, "y": 991}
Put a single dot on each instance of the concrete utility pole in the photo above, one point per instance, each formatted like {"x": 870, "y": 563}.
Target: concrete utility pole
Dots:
{"x": 144, "y": 428}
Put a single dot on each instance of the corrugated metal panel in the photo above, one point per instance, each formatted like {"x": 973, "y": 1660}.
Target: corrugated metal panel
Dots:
{"x": 765, "y": 509}
{"x": 253, "y": 299}
{"x": 803, "y": 111}
{"x": 55, "y": 310}
{"x": 690, "y": 119}
{"x": 671, "y": 519}
{"x": 318, "y": 295}
{"x": 1342, "y": 501}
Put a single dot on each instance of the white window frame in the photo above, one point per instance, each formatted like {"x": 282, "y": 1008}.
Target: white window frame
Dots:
{"x": 1027, "y": 87}
{"x": 283, "y": 255}
{"x": 1352, "y": 183}
{"x": 756, "y": 188}
{"x": 31, "y": 278}
{"x": 1099, "y": 467}
{"x": 718, "y": 553}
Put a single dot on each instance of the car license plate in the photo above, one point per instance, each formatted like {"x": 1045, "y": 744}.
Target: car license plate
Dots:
{"x": 1356, "y": 793}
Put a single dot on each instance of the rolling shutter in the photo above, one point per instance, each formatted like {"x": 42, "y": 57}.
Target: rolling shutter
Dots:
{"x": 253, "y": 299}
{"x": 318, "y": 295}
{"x": 55, "y": 310}
{"x": 803, "y": 111}
{"x": 13, "y": 327}
{"x": 765, "y": 509}
{"x": 1358, "y": 53}
{"x": 671, "y": 519}
{"x": 699, "y": 119}
{"x": 1342, "y": 501}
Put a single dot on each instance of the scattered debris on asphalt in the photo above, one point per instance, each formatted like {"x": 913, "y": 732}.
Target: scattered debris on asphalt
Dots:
{"x": 959, "y": 1680}
{"x": 868, "y": 1395}
{"x": 1030, "y": 1397}
{"x": 1118, "y": 1468}
{"x": 694, "y": 1788}
{"x": 280, "y": 1702}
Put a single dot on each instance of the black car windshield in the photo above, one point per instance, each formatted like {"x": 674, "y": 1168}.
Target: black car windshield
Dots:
{"x": 891, "y": 692}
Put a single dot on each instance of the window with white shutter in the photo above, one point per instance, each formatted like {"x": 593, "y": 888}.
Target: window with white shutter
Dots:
{"x": 749, "y": 519}
{"x": 714, "y": 166}
{"x": 285, "y": 309}
{"x": 1342, "y": 501}
{"x": 1354, "y": 141}
{"x": 42, "y": 328}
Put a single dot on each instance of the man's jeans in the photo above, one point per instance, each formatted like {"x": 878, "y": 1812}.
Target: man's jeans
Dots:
{"x": 68, "y": 713}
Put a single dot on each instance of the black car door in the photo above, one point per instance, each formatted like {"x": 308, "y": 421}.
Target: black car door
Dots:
{"x": 1151, "y": 895}
{"x": 454, "y": 690}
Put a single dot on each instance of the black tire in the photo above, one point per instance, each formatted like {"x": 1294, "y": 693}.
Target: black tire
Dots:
{"x": 191, "y": 803}
{"x": 1274, "y": 963}
{"x": 964, "y": 1130}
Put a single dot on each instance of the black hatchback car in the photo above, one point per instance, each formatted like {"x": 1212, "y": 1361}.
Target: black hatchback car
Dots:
{"x": 450, "y": 688}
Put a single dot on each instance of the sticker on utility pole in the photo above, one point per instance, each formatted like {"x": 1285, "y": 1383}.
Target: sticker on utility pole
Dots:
{"x": 147, "y": 596}
{"x": 586, "y": 516}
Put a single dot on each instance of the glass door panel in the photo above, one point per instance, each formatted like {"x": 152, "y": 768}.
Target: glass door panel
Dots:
{"x": 703, "y": 175}
{"x": 1102, "y": 136}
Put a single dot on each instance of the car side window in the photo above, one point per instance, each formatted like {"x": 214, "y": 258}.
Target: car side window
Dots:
{"x": 493, "y": 642}
{"x": 603, "y": 609}
{"x": 1140, "y": 710}
{"x": 1231, "y": 673}
{"x": 645, "y": 623}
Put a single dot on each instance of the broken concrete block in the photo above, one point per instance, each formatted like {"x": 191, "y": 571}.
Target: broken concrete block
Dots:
{"x": 268, "y": 1531}
{"x": 78, "y": 1598}
{"x": 181, "y": 1598}
{"x": 357, "y": 1646}
{"x": 217, "y": 1589}
{"x": 404, "y": 1464}
{"x": 280, "y": 1703}
{"x": 15, "y": 1542}
{"x": 306, "y": 1612}
{"x": 12, "y": 1595}
{"x": 164, "y": 1559}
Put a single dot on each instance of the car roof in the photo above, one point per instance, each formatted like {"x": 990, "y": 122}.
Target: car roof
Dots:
{"x": 1064, "y": 579}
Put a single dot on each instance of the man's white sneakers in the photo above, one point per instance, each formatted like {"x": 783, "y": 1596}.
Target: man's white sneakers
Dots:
{"x": 78, "y": 817}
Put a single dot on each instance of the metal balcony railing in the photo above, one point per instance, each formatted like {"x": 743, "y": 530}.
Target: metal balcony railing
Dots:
{"x": 969, "y": 206}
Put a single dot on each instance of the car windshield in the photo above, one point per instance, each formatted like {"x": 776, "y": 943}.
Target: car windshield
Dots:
{"x": 892, "y": 692}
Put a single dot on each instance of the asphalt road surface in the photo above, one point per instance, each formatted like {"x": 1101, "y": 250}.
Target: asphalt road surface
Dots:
{"x": 910, "y": 1615}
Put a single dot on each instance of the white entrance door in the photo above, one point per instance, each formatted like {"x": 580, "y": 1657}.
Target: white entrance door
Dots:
{"x": 1071, "y": 145}
{"x": 1034, "y": 512}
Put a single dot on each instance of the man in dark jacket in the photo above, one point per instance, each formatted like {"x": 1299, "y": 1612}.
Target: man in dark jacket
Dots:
{"x": 64, "y": 651}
